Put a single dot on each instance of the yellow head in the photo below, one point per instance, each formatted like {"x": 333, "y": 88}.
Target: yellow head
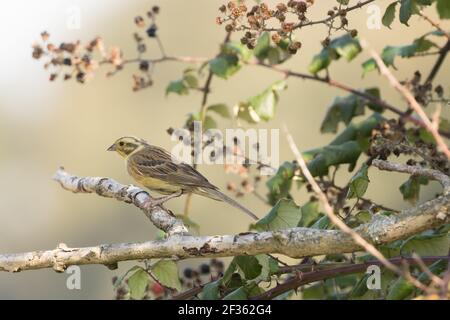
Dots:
{"x": 126, "y": 146}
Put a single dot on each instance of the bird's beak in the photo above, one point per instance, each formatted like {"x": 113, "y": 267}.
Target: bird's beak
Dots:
{"x": 112, "y": 148}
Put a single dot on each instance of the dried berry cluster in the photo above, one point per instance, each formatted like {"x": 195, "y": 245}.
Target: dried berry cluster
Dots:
{"x": 144, "y": 79}
{"x": 424, "y": 92}
{"x": 281, "y": 20}
{"x": 74, "y": 60}
{"x": 238, "y": 17}
{"x": 391, "y": 137}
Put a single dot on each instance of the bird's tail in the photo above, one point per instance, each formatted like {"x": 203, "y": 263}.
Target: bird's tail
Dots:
{"x": 217, "y": 195}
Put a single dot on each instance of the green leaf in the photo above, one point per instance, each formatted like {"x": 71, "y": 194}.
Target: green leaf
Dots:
{"x": 426, "y": 136}
{"x": 235, "y": 281}
{"x": 273, "y": 53}
{"x": 310, "y": 213}
{"x": 285, "y": 214}
{"x": 232, "y": 267}
{"x": 332, "y": 155}
{"x": 364, "y": 216}
{"x": 320, "y": 61}
{"x": 389, "y": 15}
{"x": 411, "y": 188}
{"x": 121, "y": 278}
{"x": 211, "y": 291}
{"x": 342, "y": 109}
{"x": 360, "y": 288}
{"x": 280, "y": 183}
{"x": 368, "y": 65}
{"x": 182, "y": 86}
{"x": 166, "y": 272}
{"x": 322, "y": 223}
{"x": 249, "y": 266}
{"x": 224, "y": 65}
{"x": 358, "y": 131}
{"x": 138, "y": 283}
{"x": 263, "y": 105}
{"x": 406, "y": 10}
{"x": 262, "y": 47}
{"x": 423, "y": 45}
{"x": 391, "y": 52}
{"x": 314, "y": 292}
{"x": 221, "y": 109}
{"x": 190, "y": 79}
{"x": 268, "y": 266}
{"x": 345, "y": 46}
{"x": 359, "y": 183}
{"x": 209, "y": 123}
{"x": 427, "y": 245}
{"x": 238, "y": 294}
{"x": 178, "y": 87}
{"x": 390, "y": 250}
{"x": 254, "y": 290}
{"x": 235, "y": 48}
{"x": 400, "y": 290}
{"x": 443, "y": 8}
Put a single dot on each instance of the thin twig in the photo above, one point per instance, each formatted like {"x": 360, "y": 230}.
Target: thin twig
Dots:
{"x": 434, "y": 24}
{"x": 329, "y": 210}
{"x": 370, "y": 248}
{"x": 344, "y": 87}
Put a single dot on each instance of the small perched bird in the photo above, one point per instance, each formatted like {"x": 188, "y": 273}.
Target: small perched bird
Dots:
{"x": 153, "y": 168}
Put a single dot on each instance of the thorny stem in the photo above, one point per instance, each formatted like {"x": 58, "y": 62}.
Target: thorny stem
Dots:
{"x": 308, "y": 273}
{"x": 319, "y": 275}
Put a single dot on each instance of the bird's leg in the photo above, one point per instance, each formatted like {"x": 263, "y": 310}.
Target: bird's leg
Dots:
{"x": 161, "y": 200}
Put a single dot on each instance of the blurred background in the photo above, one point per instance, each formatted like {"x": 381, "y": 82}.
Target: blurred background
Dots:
{"x": 44, "y": 125}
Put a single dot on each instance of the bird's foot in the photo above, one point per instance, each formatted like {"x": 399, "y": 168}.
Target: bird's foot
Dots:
{"x": 154, "y": 202}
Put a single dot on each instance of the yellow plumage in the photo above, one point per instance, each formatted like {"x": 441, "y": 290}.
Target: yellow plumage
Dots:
{"x": 154, "y": 168}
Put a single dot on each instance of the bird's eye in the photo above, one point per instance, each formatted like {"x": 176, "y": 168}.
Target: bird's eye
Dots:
{"x": 121, "y": 143}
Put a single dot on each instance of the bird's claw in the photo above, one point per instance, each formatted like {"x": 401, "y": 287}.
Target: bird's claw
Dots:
{"x": 158, "y": 202}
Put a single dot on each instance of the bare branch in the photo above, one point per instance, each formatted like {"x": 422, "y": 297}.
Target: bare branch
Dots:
{"x": 442, "y": 178}
{"x": 106, "y": 187}
{"x": 295, "y": 242}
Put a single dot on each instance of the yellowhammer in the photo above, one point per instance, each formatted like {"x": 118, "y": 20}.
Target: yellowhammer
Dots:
{"x": 153, "y": 168}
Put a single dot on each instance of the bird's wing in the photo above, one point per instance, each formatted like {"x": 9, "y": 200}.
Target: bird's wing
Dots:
{"x": 157, "y": 163}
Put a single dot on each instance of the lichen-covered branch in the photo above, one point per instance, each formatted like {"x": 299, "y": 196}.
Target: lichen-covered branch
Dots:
{"x": 106, "y": 187}
{"x": 295, "y": 242}
{"x": 442, "y": 178}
